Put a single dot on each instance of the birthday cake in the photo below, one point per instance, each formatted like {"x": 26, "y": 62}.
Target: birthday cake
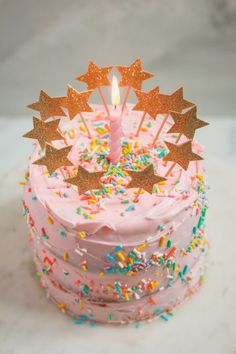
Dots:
{"x": 115, "y": 200}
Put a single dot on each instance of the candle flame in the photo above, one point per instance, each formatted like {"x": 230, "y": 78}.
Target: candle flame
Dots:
{"x": 115, "y": 92}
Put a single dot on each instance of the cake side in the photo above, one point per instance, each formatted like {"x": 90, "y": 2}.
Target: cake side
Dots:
{"x": 134, "y": 260}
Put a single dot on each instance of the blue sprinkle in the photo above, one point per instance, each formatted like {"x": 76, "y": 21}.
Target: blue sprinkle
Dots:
{"x": 130, "y": 207}
{"x": 110, "y": 257}
{"x": 164, "y": 317}
{"x": 157, "y": 311}
{"x": 118, "y": 248}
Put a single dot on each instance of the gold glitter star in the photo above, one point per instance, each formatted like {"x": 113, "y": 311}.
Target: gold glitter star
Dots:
{"x": 148, "y": 102}
{"x": 174, "y": 102}
{"x": 77, "y": 102}
{"x": 44, "y": 132}
{"x": 133, "y": 75}
{"x": 48, "y": 106}
{"x": 95, "y": 76}
{"x": 181, "y": 154}
{"x": 144, "y": 179}
{"x": 86, "y": 181}
{"x": 186, "y": 123}
{"x": 55, "y": 158}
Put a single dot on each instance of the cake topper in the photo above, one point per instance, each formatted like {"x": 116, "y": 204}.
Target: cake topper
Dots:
{"x": 48, "y": 106}
{"x": 148, "y": 102}
{"x": 152, "y": 102}
{"x": 173, "y": 102}
{"x": 186, "y": 123}
{"x": 77, "y": 102}
{"x": 96, "y": 77}
{"x": 86, "y": 181}
{"x": 144, "y": 179}
{"x": 44, "y": 132}
{"x": 54, "y": 158}
{"x": 133, "y": 77}
{"x": 180, "y": 154}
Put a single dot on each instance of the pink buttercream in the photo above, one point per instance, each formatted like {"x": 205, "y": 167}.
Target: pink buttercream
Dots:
{"x": 78, "y": 272}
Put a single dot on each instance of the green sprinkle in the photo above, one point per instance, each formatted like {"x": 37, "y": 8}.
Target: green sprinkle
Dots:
{"x": 44, "y": 236}
{"x": 200, "y": 222}
{"x": 79, "y": 211}
{"x": 62, "y": 234}
{"x": 110, "y": 316}
{"x": 125, "y": 201}
{"x": 169, "y": 243}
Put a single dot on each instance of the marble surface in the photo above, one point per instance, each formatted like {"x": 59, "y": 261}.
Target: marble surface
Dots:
{"x": 30, "y": 324}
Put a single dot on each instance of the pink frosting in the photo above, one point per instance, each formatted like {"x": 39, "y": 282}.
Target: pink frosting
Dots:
{"x": 88, "y": 276}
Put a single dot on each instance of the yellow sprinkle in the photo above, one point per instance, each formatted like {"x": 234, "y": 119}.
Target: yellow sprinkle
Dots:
{"x": 200, "y": 177}
{"x": 162, "y": 182}
{"x": 126, "y": 297}
{"x": 139, "y": 248}
{"x": 136, "y": 144}
{"x": 121, "y": 256}
{"x": 50, "y": 221}
{"x": 81, "y": 234}
{"x": 82, "y": 128}
{"x": 22, "y": 183}
{"x": 61, "y": 306}
{"x": 144, "y": 129}
{"x": 65, "y": 256}
{"x": 101, "y": 274}
{"x": 162, "y": 241}
{"x": 84, "y": 267}
{"x": 177, "y": 269}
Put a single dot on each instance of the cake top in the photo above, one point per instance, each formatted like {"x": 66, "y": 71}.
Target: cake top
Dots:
{"x": 103, "y": 166}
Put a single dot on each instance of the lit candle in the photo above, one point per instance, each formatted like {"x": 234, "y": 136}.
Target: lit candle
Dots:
{"x": 115, "y": 125}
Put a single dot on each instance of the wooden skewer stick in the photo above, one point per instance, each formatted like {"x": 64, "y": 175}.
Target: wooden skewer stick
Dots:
{"x": 160, "y": 128}
{"x": 178, "y": 138}
{"x": 60, "y": 131}
{"x": 85, "y": 124}
{"x": 92, "y": 194}
{"x": 170, "y": 169}
{"x": 126, "y": 98}
{"x": 141, "y": 123}
{"x": 136, "y": 199}
{"x": 103, "y": 100}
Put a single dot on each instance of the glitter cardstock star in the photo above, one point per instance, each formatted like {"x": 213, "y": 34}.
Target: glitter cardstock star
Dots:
{"x": 148, "y": 102}
{"x": 86, "y": 181}
{"x": 181, "y": 154}
{"x": 144, "y": 179}
{"x": 48, "y": 106}
{"x": 174, "y": 102}
{"x": 96, "y": 76}
{"x": 77, "y": 102}
{"x": 133, "y": 75}
{"x": 44, "y": 132}
{"x": 186, "y": 123}
{"x": 54, "y": 158}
